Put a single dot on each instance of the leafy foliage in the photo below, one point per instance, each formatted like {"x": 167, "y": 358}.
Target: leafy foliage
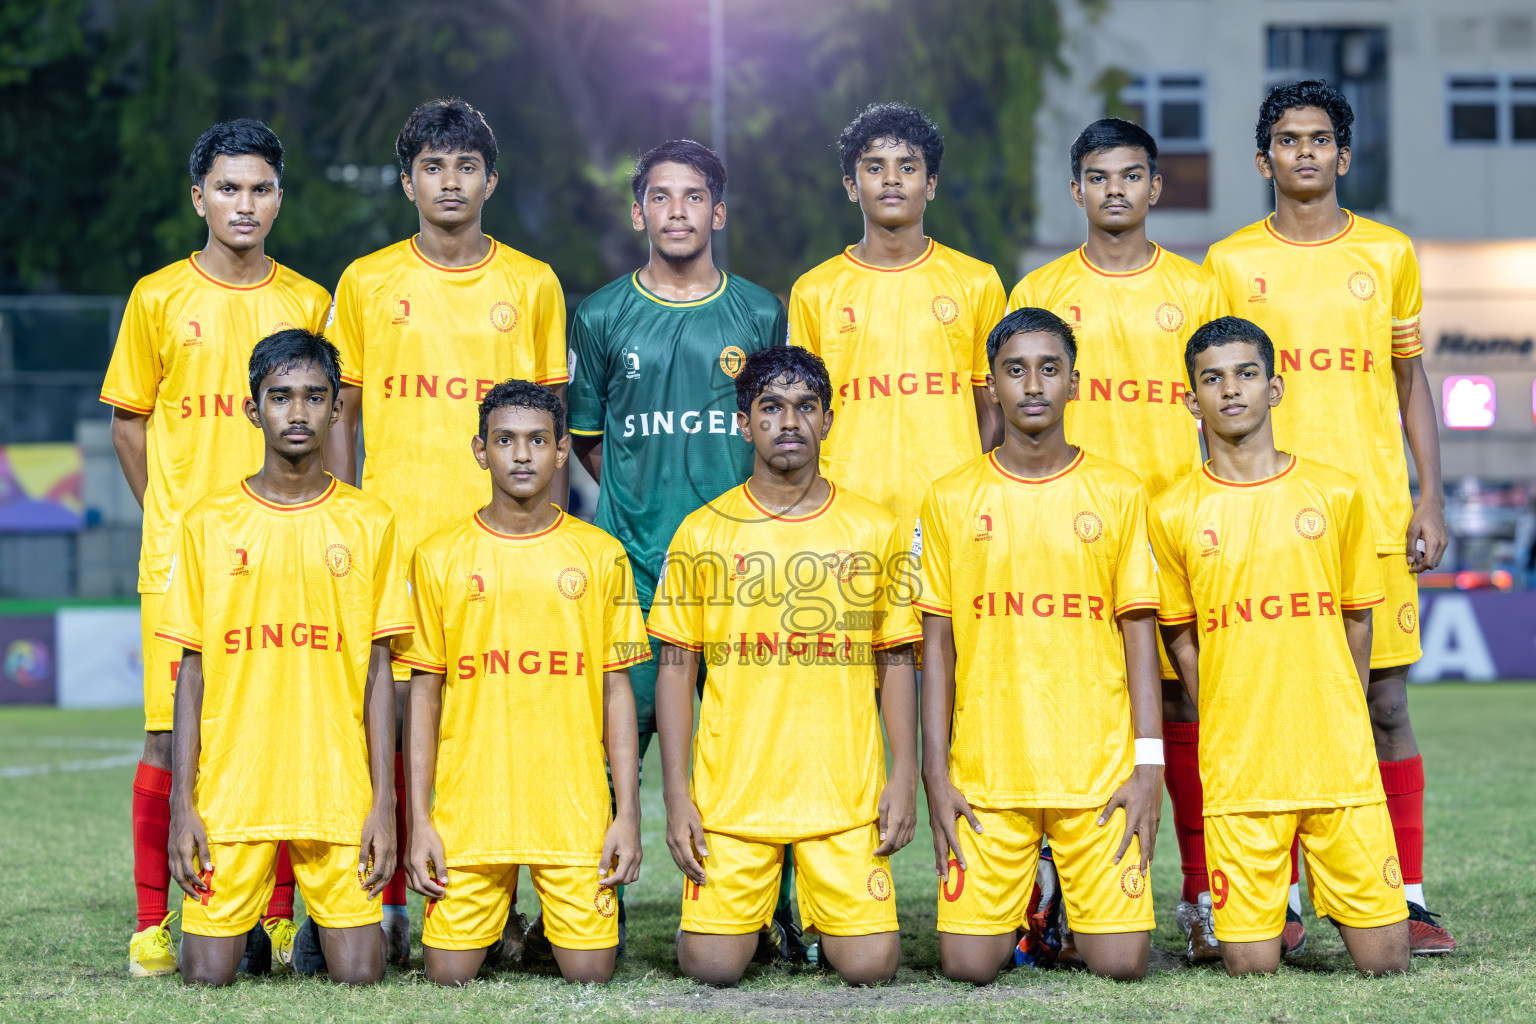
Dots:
{"x": 100, "y": 103}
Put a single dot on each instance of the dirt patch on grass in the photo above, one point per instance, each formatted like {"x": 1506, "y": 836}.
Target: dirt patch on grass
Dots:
{"x": 820, "y": 1003}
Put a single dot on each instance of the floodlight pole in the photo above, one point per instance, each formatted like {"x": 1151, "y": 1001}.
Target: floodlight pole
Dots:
{"x": 721, "y": 248}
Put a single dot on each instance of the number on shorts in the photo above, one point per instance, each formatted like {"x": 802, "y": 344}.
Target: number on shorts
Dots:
{"x": 1218, "y": 889}
{"x": 959, "y": 873}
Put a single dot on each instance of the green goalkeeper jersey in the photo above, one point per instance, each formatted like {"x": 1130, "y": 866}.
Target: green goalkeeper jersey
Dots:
{"x": 656, "y": 380}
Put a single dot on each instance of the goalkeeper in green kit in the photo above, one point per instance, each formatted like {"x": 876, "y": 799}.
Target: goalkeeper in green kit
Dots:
{"x": 653, "y": 360}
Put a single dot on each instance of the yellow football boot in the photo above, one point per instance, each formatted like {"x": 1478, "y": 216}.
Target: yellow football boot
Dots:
{"x": 150, "y": 952}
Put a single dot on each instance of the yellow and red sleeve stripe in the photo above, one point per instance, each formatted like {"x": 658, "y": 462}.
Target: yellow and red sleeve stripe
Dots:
{"x": 1370, "y": 602}
{"x": 887, "y": 642}
{"x": 394, "y": 630}
{"x": 550, "y": 380}
{"x": 688, "y": 645}
{"x": 1407, "y": 339}
{"x": 1175, "y": 619}
{"x": 123, "y": 403}
{"x": 1131, "y": 606}
{"x": 178, "y": 640}
{"x": 633, "y": 659}
{"x": 933, "y": 609}
{"x": 424, "y": 666}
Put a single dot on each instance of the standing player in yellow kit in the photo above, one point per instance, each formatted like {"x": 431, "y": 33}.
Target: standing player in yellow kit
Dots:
{"x": 285, "y": 593}
{"x": 426, "y": 328}
{"x": 901, "y": 322}
{"x": 1132, "y": 305}
{"x": 527, "y": 624}
{"x": 176, "y": 383}
{"x": 1340, "y": 297}
{"x": 1040, "y": 546}
{"x": 1267, "y": 577}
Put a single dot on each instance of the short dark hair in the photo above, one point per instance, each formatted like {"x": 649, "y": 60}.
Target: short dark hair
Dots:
{"x": 295, "y": 347}
{"x": 1031, "y": 320}
{"x": 447, "y": 126}
{"x": 1314, "y": 92}
{"x": 767, "y": 365}
{"x": 1228, "y": 330}
{"x": 890, "y": 121}
{"x": 1112, "y": 133}
{"x": 522, "y": 394}
{"x": 239, "y": 137}
{"x": 680, "y": 151}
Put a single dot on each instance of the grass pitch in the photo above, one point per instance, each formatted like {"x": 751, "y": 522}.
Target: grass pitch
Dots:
{"x": 66, "y": 911}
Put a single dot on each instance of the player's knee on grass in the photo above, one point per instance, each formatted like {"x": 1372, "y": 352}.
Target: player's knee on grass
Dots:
{"x": 210, "y": 959}
{"x": 1387, "y": 700}
{"x": 1378, "y": 951}
{"x": 1120, "y": 956}
{"x": 975, "y": 959}
{"x": 863, "y": 959}
{"x": 451, "y": 967}
{"x": 718, "y": 960}
{"x": 586, "y": 966}
{"x": 1241, "y": 958}
{"x": 354, "y": 956}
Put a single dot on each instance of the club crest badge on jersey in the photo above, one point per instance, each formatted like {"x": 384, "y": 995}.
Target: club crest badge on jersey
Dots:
{"x": 879, "y": 884}
{"x": 338, "y": 559}
{"x": 1362, "y": 285}
{"x": 504, "y": 316}
{"x": 1169, "y": 317}
{"x": 945, "y": 309}
{"x": 1088, "y": 527}
{"x": 1132, "y": 882}
{"x": 604, "y": 901}
{"x": 1392, "y": 873}
{"x": 1408, "y": 617}
{"x": 571, "y": 582}
{"x": 732, "y": 359}
{"x": 1311, "y": 523}
{"x": 281, "y": 325}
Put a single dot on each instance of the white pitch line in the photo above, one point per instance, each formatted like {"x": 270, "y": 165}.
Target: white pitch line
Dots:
{"x": 20, "y": 771}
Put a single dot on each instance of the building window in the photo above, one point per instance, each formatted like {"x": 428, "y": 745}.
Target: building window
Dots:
{"x": 1174, "y": 106}
{"x": 1490, "y": 110}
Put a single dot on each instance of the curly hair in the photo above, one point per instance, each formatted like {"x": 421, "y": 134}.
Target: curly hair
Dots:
{"x": 1228, "y": 330}
{"x": 1314, "y": 92}
{"x": 890, "y": 121}
{"x": 239, "y": 137}
{"x": 782, "y": 362}
{"x": 680, "y": 151}
{"x": 522, "y": 394}
{"x": 276, "y": 353}
{"x": 447, "y": 126}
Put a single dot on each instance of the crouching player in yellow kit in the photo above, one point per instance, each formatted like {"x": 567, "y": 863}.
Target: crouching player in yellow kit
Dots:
{"x": 1267, "y": 571}
{"x": 285, "y": 591}
{"x": 1039, "y": 546}
{"x": 797, "y": 594}
{"x": 526, "y": 623}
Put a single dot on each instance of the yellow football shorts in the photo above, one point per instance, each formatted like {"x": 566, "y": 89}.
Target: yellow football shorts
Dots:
{"x": 1395, "y": 622}
{"x": 991, "y": 896}
{"x": 844, "y": 889}
{"x": 161, "y": 661}
{"x": 242, "y": 881}
{"x": 1352, "y": 869}
{"x": 578, "y": 913}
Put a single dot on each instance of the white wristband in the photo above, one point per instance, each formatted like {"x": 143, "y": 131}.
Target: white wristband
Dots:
{"x": 1149, "y": 751}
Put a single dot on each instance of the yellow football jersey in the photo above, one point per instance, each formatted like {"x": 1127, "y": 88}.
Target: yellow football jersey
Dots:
{"x": 787, "y": 613}
{"x": 1024, "y": 567}
{"x": 426, "y": 342}
{"x": 284, "y": 602}
{"x": 903, "y": 346}
{"x": 183, "y": 359}
{"x": 522, "y": 628}
{"x": 1266, "y": 569}
{"x": 1338, "y": 311}
{"x": 1131, "y": 328}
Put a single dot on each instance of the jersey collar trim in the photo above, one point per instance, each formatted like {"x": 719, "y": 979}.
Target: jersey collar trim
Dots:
{"x": 200, "y": 272}
{"x": 1206, "y": 469}
{"x": 1269, "y": 225}
{"x": 634, "y": 279}
{"x": 992, "y": 458}
{"x": 779, "y": 517}
{"x": 551, "y": 528}
{"x": 245, "y": 486}
{"x": 456, "y": 270}
{"x": 932, "y": 246}
{"x": 1157, "y": 254}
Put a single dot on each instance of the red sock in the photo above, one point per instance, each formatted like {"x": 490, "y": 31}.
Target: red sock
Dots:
{"x": 1181, "y": 745}
{"x": 1404, "y": 783}
{"x": 281, "y": 904}
{"x": 151, "y": 836}
{"x": 394, "y": 892}
{"x": 1295, "y": 859}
